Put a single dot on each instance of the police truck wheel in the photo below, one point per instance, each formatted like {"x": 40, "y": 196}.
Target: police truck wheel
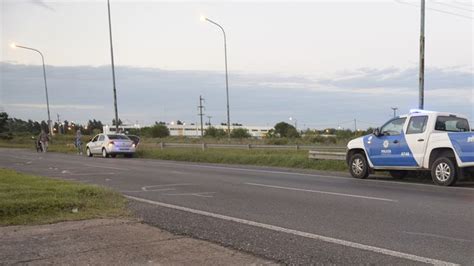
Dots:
{"x": 358, "y": 166}
{"x": 398, "y": 174}
{"x": 444, "y": 172}
{"x": 104, "y": 153}
{"x": 88, "y": 152}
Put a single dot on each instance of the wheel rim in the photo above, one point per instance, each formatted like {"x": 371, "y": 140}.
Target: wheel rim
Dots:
{"x": 357, "y": 166}
{"x": 443, "y": 172}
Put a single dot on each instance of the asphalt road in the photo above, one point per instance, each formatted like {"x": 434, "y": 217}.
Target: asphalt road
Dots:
{"x": 295, "y": 217}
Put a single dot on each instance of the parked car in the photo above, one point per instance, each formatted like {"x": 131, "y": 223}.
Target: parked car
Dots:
{"x": 110, "y": 145}
{"x": 442, "y": 143}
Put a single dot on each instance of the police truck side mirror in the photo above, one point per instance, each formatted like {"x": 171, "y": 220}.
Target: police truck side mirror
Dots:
{"x": 377, "y": 132}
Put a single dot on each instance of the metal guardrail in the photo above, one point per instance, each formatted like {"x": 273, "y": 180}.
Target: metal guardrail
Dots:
{"x": 324, "y": 155}
{"x": 204, "y": 146}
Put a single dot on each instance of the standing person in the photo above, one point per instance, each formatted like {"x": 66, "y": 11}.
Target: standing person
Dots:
{"x": 43, "y": 139}
{"x": 78, "y": 141}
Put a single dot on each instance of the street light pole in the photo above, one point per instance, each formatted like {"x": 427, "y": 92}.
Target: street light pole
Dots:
{"x": 394, "y": 111}
{"x": 422, "y": 58}
{"x": 226, "y": 72}
{"x": 113, "y": 70}
{"x": 45, "y": 83}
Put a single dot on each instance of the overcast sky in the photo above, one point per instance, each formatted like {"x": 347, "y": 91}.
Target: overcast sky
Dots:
{"x": 324, "y": 63}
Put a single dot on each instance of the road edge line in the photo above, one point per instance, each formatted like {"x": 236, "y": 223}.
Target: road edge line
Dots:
{"x": 298, "y": 233}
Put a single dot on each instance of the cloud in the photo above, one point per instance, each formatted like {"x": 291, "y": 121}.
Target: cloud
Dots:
{"x": 146, "y": 95}
{"x": 435, "y": 78}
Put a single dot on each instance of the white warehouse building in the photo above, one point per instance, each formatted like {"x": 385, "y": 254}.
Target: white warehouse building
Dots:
{"x": 195, "y": 130}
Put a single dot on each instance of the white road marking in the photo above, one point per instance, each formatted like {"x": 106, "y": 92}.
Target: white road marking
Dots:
{"x": 252, "y": 170}
{"x": 321, "y": 192}
{"x": 105, "y": 167}
{"x": 154, "y": 190}
{"x": 198, "y": 194}
{"x": 437, "y": 236}
{"x": 145, "y": 188}
{"x": 91, "y": 174}
{"x": 310, "y": 175}
{"x": 346, "y": 243}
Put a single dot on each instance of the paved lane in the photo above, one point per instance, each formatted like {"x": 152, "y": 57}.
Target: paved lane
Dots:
{"x": 289, "y": 216}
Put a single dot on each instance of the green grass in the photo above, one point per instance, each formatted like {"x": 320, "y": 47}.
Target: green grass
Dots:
{"x": 149, "y": 149}
{"x": 27, "y": 199}
{"x": 278, "y": 158}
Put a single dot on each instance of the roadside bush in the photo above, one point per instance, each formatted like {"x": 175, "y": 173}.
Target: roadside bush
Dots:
{"x": 286, "y": 130}
{"x": 240, "y": 133}
{"x": 159, "y": 131}
{"x": 214, "y": 132}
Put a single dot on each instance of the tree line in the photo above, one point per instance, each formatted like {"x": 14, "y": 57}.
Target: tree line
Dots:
{"x": 282, "y": 130}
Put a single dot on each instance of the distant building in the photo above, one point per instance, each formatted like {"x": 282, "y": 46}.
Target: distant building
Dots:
{"x": 195, "y": 130}
{"x": 122, "y": 128}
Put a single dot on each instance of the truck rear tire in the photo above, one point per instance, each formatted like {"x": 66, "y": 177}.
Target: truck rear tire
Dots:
{"x": 444, "y": 172}
{"x": 358, "y": 166}
{"x": 398, "y": 174}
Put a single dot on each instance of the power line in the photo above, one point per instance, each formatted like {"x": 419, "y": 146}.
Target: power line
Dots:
{"x": 463, "y": 3}
{"x": 437, "y": 10}
{"x": 453, "y": 6}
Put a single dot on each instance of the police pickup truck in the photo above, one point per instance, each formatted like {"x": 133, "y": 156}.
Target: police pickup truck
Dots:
{"x": 422, "y": 140}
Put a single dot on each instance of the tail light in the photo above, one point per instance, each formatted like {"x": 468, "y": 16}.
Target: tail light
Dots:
{"x": 111, "y": 143}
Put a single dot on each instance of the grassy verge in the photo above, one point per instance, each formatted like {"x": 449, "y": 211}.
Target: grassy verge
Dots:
{"x": 149, "y": 149}
{"x": 27, "y": 199}
{"x": 279, "y": 158}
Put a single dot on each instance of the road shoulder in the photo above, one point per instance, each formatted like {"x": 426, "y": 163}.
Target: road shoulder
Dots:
{"x": 110, "y": 242}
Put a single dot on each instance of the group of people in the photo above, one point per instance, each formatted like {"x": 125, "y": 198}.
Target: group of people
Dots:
{"x": 43, "y": 141}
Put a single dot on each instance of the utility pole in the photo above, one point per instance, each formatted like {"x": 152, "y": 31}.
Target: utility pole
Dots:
{"x": 201, "y": 107}
{"x": 422, "y": 58}
{"x": 394, "y": 111}
{"x": 113, "y": 70}
{"x": 209, "y": 118}
{"x": 59, "y": 124}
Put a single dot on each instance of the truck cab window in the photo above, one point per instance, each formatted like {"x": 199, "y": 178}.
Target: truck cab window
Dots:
{"x": 393, "y": 127}
{"x": 451, "y": 124}
{"x": 417, "y": 125}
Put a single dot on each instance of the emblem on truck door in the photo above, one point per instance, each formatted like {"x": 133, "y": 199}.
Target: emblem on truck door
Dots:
{"x": 385, "y": 144}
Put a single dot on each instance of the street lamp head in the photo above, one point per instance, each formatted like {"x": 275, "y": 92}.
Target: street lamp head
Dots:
{"x": 202, "y": 18}
{"x": 13, "y": 45}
